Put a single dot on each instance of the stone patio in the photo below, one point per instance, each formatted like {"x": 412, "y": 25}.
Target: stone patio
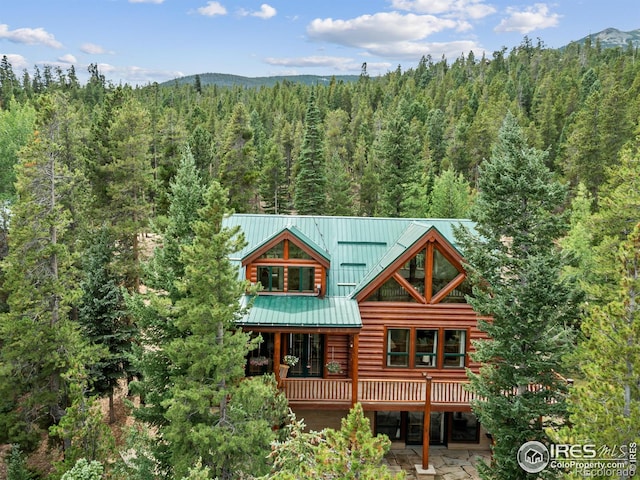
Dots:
{"x": 449, "y": 464}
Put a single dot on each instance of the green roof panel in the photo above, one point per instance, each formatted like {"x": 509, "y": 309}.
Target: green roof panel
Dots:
{"x": 302, "y": 311}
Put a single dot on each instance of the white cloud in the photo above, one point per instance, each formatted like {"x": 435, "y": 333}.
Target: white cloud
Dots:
{"x": 68, "y": 58}
{"x": 137, "y": 75}
{"x": 29, "y": 36}
{"x": 146, "y": 1}
{"x": 212, "y": 9}
{"x": 381, "y": 28}
{"x": 18, "y": 62}
{"x": 93, "y": 49}
{"x": 339, "y": 63}
{"x": 266, "y": 11}
{"x": 343, "y": 64}
{"x": 474, "y": 9}
{"x": 531, "y": 18}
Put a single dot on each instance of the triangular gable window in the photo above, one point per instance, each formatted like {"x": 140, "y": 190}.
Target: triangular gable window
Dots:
{"x": 391, "y": 291}
{"x": 286, "y": 250}
{"x": 433, "y": 275}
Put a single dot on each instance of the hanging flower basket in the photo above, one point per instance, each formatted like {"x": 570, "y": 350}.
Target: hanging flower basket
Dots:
{"x": 260, "y": 361}
{"x": 333, "y": 367}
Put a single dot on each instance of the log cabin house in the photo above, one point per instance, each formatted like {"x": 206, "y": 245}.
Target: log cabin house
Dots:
{"x": 375, "y": 311}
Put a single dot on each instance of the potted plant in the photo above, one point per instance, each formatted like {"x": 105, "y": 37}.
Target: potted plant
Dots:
{"x": 287, "y": 362}
{"x": 333, "y": 367}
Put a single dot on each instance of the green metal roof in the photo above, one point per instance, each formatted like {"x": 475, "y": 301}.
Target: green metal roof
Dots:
{"x": 296, "y": 233}
{"x": 359, "y": 248}
{"x": 302, "y": 311}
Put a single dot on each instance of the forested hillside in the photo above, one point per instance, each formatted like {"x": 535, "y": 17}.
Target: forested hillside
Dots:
{"x": 89, "y": 172}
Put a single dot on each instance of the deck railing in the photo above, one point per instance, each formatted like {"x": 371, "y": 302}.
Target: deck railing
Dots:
{"x": 377, "y": 391}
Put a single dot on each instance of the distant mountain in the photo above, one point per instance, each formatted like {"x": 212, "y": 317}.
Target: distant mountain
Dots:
{"x": 227, "y": 80}
{"x": 612, "y": 37}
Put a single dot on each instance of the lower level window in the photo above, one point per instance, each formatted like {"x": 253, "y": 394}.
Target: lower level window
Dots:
{"x": 426, "y": 348}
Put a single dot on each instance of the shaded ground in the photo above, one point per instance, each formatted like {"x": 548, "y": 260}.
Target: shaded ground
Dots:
{"x": 449, "y": 464}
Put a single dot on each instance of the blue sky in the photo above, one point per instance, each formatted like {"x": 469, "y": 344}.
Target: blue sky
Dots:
{"x": 142, "y": 41}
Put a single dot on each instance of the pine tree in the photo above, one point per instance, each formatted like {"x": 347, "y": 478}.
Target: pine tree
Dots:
{"x": 397, "y": 149}
{"x": 17, "y": 125}
{"x": 310, "y": 194}
{"x": 103, "y": 316}
{"x": 211, "y": 413}
{"x": 41, "y": 345}
{"x": 340, "y": 197}
{"x": 238, "y": 167}
{"x": 515, "y": 268}
{"x": 605, "y": 403}
{"x": 451, "y": 196}
{"x": 273, "y": 181}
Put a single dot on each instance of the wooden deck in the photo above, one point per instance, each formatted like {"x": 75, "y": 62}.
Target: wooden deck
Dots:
{"x": 377, "y": 394}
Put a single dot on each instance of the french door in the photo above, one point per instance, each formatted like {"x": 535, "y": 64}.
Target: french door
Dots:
{"x": 309, "y": 348}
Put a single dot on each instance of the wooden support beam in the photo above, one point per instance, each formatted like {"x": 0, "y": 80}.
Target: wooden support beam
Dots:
{"x": 426, "y": 423}
{"x": 277, "y": 342}
{"x": 353, "y": 350}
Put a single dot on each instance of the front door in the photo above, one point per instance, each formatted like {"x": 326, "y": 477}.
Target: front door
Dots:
{"x": 309, "y": 348}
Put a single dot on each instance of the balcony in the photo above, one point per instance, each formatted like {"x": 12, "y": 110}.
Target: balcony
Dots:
{"x": 376, "y": 394}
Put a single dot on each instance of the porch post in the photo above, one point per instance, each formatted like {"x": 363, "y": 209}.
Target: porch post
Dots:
{"x": 276, "y": 355}
{"x": 354, "y": 368}
{"x": 426, "y": 423}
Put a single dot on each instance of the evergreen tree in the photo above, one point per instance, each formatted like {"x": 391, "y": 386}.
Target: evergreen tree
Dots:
{"x": 238, "y": 173}
{"x": 185, "y": 199}
{"x": 41, "y": 345}
{"x": 211, "y": 413}
{"x": 273, "y": 181}
{"x": 605, "y": 403}
{"x": 515, "y": 268}
{"x": 310, "y": 194}
{"x": 451, "y": 196}
{"x": 17, "y": 123}
{"x": 103, "y": 316}
{"x": 340, "y": 197}
{"x": 349, "y": 453}
{"x": 397, "y": 150}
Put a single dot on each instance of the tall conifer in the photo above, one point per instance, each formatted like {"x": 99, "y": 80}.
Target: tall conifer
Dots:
{"x": 515, "y": 267}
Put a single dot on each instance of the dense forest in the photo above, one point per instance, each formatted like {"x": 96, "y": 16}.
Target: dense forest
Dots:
{"x": 91, "y": 175}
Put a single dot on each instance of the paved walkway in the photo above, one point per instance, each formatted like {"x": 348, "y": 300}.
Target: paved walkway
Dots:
{"x": 449, "y": 464}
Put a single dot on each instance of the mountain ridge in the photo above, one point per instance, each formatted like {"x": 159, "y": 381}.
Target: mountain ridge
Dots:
{"x": 608, "y": 38}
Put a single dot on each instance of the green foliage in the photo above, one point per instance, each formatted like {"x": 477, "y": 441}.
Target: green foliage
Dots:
{"x": 102, "y": 314}
{"x": 16, "y": 125}
{"x": 42, "y": 347}
{"x": 349, "y": 453}
{"x": 311, "y": 178}
{"x": 515, "y": 270}
{"x": 605, "y": 403}
{"x": 16, "y": 465}
{"x": 84, "y": 470}
{"x": 450, "y": 197}
{"x": 83, "y": 433}
{"x": 210, "y": 412}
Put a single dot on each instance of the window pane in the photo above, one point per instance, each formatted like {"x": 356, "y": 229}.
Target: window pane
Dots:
{"x": 458, "y": 294}
{"x": 271, "y": 278}
{"x": 413, "y": 272}
{"x": 464, "y": 427}
{"x": 301, "y": 279}
{"x": 296, "y": 252}
{"x": 426, "y": 348}
{"x": 274, "y": 252}
{"x": 390, "y": 291}
{"x": 455, "y": 342}
{"x": 443, "y": 271}
{"x": 398, "y": 348}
